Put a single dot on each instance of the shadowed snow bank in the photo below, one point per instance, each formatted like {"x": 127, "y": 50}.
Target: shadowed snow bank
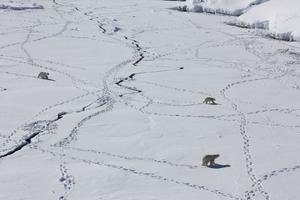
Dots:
{"x": 20, "y": 7}
{"x": 226, "y": 7}
{"x": 282, "y": 19}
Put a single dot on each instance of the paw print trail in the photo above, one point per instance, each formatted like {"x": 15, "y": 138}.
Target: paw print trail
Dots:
{"x": 146, "y": 174}
{"x": 246, "y": 141}
{"x": 130, "y": 158}
{"x": 66, "y": 179}
{"x": 279, "y": 172}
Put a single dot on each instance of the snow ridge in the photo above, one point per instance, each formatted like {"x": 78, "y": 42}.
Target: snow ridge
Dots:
{"x": 279, "y": 18}
{"x": 20, "y": 7}
{"x": 225, "y": 7}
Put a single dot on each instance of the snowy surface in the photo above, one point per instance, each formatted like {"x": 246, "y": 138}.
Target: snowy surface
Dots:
{"x": 280, "y": 18}
{"x": 20, "y": 6}
{"x": 122, "y": 117}
{"x": 227, "y": 7}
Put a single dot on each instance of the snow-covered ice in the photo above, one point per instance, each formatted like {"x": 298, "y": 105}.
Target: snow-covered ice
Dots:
{"x": 280, "y": 18}
{"x": 227, "y": 7}
{"x": 123, "y": 117}
{"x": 20, "y": 6}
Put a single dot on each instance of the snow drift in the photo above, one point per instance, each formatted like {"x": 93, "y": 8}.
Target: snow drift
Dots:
{"x": 20, "y": 6}
{"x": 280, "y": 18}
{"x": 227, "y": 7}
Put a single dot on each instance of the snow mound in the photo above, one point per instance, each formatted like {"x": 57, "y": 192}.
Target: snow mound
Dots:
{"x": 227, "y": 7}
{"x": 20, "y": 6}
{"x": 282, "y": 19}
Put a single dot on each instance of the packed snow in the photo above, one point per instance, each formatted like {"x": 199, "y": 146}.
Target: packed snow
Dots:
{"x": 105, "y": 100}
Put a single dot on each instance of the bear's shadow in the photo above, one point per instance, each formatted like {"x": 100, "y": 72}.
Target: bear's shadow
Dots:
{"x": 218, "y": 166}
